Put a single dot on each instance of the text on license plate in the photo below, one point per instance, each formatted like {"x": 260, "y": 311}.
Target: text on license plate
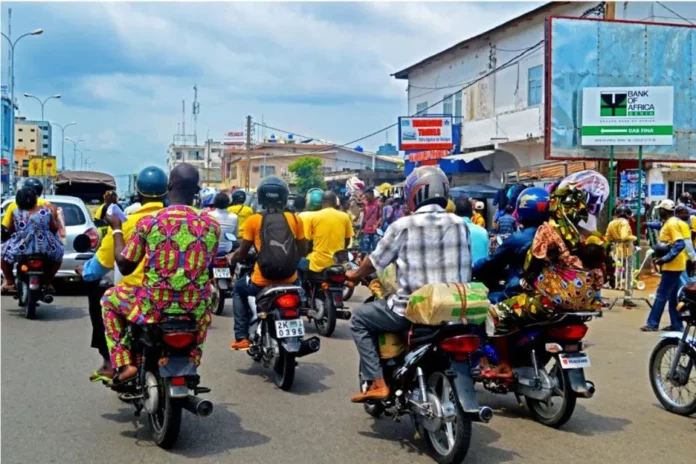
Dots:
{"x": 289, "y": 328}
{"x": 574, "y": 361}
{"x": 222, "y": 273}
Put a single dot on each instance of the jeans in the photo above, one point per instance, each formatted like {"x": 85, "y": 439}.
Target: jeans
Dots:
{"x": 240, "y": 304}
{"x": 95, "y": 292}
{"x": 368, "y": 321}
{"x": 368, "y": 242}
{"x": 666, "y": 292}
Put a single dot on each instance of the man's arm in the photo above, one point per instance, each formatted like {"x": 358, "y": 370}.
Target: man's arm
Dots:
{"x": 241, "y": 253}
{"x": 676, "y": 248}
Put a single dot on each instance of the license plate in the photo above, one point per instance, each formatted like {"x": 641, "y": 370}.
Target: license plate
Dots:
{"x": 289, "y": 328}
{"x": 574, "y": 361}
{"x": 222, "y": 273}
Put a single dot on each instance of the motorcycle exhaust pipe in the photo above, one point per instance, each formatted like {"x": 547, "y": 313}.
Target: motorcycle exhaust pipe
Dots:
{"x": 198, "y": 406}
{"x": 345, "y": 315}
{"x": 484, "y": 414}
{"x": 588, "y": 392}
{"x": 48, "y": 299}
{"x": 309, "y": 346}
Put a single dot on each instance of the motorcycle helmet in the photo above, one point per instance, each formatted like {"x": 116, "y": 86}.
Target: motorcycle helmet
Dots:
{"x": 238, "y": 197}
{"x": 624, "y": 211}
{"x": 207, "y": 200}
{"x": 593, "y": 184}
{"x": 426, "y": 185}
{"x": 273, "y": 191}
{"x": 314, "y": 199}
{"x": 34, "y": 184}
{"x": 533, "y": 206}
{"x": 152, "y": 182}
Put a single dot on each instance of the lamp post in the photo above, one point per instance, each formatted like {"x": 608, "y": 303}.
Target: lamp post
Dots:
{"x": 74, "y": 142}
{"x": 12, "y": 100}
{"x": 42, "y": 103}
{"x": 82, "y": 157}
{"x": 62, "y": 142}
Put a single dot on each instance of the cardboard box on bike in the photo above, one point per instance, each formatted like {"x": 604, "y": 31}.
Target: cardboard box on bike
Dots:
{"x": 434, "y": 304}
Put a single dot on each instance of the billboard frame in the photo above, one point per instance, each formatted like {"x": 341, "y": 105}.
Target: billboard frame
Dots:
{"x": 547, "y": 82}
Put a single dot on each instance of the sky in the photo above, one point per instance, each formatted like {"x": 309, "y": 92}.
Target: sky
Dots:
{"x": 317, "y": 69}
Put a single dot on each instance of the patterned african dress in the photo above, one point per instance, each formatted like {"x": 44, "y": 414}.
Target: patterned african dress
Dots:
{"x": 178, "y": 245}
{"x": 32, "y": 236}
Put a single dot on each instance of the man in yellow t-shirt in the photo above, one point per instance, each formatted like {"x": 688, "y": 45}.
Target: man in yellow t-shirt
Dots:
{"x": 478, "y": 218}
{"x": 273, "y": 194}
{"x": 242, "y": 211}
{"x": 673, "y": 265}
{"x": 330, "y": 230}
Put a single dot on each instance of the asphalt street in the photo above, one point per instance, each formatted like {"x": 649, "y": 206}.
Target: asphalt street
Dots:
{"x": 51, "y": 413}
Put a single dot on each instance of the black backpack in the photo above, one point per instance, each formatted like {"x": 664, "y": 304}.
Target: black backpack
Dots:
{"x": 278, "y": 257}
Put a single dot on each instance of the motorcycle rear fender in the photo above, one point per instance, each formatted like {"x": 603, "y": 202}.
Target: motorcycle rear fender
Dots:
{"x": 464, "y": 386}
{"x": 178, "y": 366}
{"x": 292, "y": 344}
{"x": 337, "y": 291}
{"x": 223, "y": 284}
{"x": 576, "y": 378}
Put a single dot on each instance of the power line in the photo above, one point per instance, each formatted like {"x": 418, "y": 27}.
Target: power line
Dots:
{"x": 674, "y": 12}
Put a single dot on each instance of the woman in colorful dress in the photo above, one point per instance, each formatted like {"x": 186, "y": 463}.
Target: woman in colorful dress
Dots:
{"x": 32, "y": 232}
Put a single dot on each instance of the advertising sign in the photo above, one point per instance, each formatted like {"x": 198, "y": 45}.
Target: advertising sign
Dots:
{"x": 35, "y": 166}
{"x": 628, "y": 189}
{"x": 627, "y": 116}
{"x": 425, "y": 133}
{"x": 427, "y": 155}
{"x": 234, "y": 138}
{"x": 49, "y": 166}
{"x": 43, "y": 166}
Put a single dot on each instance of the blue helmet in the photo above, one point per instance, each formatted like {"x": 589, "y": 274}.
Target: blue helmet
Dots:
{"x": 207, "y": 201}
{"x": 533, "y": 206}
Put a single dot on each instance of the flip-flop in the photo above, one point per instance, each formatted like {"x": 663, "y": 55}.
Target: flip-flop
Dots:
{"x": 117, "y": 382}
{"x": 97, "y": 377}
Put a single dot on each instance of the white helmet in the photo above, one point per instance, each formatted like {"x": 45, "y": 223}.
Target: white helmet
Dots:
{"x": 426, "y": 185}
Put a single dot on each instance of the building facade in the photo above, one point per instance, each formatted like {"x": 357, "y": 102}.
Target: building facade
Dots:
{"x": 28, "y": 143}
{"x": 7, "y": 120}
{"x": 207, "y": 158}
{"x": 46, "y": 136}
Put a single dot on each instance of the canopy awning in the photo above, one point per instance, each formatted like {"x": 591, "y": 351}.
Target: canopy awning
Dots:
{"x": 468, "y": 157}
{"x": 474, "y": 190}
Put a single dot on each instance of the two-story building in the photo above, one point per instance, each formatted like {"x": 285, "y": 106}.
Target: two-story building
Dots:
{"x": 207, "y": 158}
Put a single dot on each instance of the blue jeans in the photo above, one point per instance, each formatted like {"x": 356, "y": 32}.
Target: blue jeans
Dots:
{"x": 368, "y": 242}
{"x": 666, "y": 293}
{"x": 240, "y": 305}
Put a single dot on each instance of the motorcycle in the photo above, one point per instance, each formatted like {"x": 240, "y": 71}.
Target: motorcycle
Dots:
{"x": 673, "y": 361}
{"x": 548, "y": 364}
{"x": 276, "y": 332}
{"x": 324, "y": 303}
{"x": 352, "y": 263}
{"x": 31, "y": 283}
{"x": 221, "y": 274}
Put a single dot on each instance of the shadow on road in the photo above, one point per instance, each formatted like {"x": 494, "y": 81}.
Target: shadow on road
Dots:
{"x": 308, "y": 377}
{"x": 50, "y": 312}
{"x": 480, "y": 450}
{"x": 199, "y": 437}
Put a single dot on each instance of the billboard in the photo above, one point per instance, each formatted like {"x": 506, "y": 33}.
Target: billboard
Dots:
{"x": 425, "y": 133}
{"x": 618, "y": 56}
{"x": 41, "y": 166}
{"x": 627, "y": 116}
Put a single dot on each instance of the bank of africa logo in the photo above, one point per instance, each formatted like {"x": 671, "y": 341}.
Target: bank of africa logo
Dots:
{"x": 613, "y": 104}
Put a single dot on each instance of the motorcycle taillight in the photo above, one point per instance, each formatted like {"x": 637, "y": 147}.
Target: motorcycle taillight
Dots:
{"x": 338, "y": 278}
{"x": 288, "y": 301}
{"x": 220, "y": 262}
{"x": 179, "y": 339}
{"x": 35, "y": 264}
{"x": 461, "y": 344}
{"x": 570, "y": 332}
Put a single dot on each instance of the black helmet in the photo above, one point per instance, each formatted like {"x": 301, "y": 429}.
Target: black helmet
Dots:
{"x": 152, "y": 182}
{"x": 34, "y": 184}
{"x": 238, "y": 197}
{"x": 624, "y": 210}
{"x": 273, "y": 191}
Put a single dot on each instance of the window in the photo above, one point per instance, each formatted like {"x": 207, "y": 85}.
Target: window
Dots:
{"x": 33, "y": 130}
{"x": 447, "y": 105}
{"x": 194, "y": 155}
{"x": 268, "y": 171}
{"x": 33, "y": 140}
{"x": 45, "y": 145}
{"x": 458, "y": 105}
{"x": 20, "y": 140}
{"x": 255, "y": 169}
{"x": 20, "y": 129}
{"x": 327, "y": 170}
{"x": 45, "y": 137}
{"x": 177, "y": 155}
{"x": 73, "y": 214}
{"x": 534, "y": 86}
{"x": 422, "y": 109}
{"x": 233, "y": 173}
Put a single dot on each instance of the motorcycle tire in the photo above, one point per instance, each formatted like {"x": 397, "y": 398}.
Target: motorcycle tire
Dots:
{"x": 220, "y": 306}
{"x": 327, "y": 325}
{"x": 32, "y": 300}
{"x": 348, "y": 293}
{"x": 166, "y": 423}
{"x": 656, "y": 357}
{"x": 284, "y": 370}
{"x": 568, "y": 401}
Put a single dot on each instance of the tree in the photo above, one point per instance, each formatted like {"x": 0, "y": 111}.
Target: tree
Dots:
{"x": 308, "y": 174}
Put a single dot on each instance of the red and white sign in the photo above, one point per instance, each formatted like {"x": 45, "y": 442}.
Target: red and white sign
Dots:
{"x": 234, "y": 138}
{"x": 425, "y": 133}
{"x": 428, "y": 155}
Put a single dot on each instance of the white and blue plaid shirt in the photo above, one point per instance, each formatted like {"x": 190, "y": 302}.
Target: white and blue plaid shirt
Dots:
{"x": 431, "y": 246}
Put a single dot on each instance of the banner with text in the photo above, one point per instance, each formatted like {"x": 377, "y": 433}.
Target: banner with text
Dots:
{"x": 425, "y": 133}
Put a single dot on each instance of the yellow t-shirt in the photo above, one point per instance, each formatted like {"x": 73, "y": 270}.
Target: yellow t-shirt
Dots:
{"x": 328, "y": 229}
{"x": 306, "y": 217}
{"x": 105, "y": 253}
{"x": 478, "y": 220}
{"x": 671, "y": 232}
{"x": 243, "y": 213}
{"x": 619, "y": 229}
{"x": 693, "y": 228}
{"x": 252, "y": 233}
{"x": 7, "y": 219}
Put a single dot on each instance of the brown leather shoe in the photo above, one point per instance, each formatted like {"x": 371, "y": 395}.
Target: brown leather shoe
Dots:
{"x": 377, "y": 391}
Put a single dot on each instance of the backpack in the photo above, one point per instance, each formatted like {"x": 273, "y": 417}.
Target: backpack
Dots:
{"x": 278, "y": 256}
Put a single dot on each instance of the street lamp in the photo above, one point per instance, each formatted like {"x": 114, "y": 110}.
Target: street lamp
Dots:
{"x": 82, "y": 155}
{"x": 74, "y": 142}
{"x": 42, "y": 103}
{"x": 62, "y": 142}
{"x": 12, "y": 99}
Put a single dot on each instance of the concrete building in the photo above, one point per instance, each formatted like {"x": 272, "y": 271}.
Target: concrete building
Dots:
{"x": 207, "y": 158}
{"x": 28, "y": 143}
{"x": 502, "y": 115}
{"x": 46, "y": 136}
{"x": 7, "y": 121}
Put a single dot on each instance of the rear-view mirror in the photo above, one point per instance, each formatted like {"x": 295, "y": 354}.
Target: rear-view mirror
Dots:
{"x": 81, "y": 243}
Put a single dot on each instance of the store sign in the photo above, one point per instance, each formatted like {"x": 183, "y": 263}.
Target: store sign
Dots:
{"x": 658, "y": 190}
{"x": 427, "y": 155}
{"x": 425, "y": 133}
{"x": 234, "y": 138}
{"x": 627, "y": 116}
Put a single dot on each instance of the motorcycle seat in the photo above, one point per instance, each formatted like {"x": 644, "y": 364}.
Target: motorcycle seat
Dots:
{"x": 690, "y": 289}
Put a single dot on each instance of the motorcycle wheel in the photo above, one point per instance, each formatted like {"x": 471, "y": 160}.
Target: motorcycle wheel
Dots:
{"x": 166, "y": 422}
{"x": 31, "y": 301}
{"x": 660, "y": 364}
{"x": 348, "y": 293}
{"x": 284, "y": 370}
{"x": 543, "y": 412}
{"x": 449, "y": 444}
{"x": 327, "y": 324}
{"x": 220, "y": 306}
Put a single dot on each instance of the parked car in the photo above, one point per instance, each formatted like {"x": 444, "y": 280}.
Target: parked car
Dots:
{"x": 77, "y": 221}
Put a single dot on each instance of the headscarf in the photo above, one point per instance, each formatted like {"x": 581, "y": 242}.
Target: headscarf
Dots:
{"x": 568, "y": 209}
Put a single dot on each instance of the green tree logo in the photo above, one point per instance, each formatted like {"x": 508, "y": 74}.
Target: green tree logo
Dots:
{"x": 613, "y": 104}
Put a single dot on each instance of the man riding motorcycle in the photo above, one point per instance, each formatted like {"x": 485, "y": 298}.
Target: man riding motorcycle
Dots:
{"x": 151, "y": 188}
{"x": 430, "y": 231}
{"x": 174, "y": 284}
{"x": 242, "y": 211}
{"x": 313, "y": 203}
{"x": 273, "y": 195}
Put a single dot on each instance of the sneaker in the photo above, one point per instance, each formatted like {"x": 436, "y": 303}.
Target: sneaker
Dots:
{"x": 241, "y": 345}
{"x": 647, "y": 328}
{"x": 629, "y": 304}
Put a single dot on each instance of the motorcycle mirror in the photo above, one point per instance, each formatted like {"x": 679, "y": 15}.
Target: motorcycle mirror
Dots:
{"x": 231, "y": 237}
{"x": 81, "y": 243}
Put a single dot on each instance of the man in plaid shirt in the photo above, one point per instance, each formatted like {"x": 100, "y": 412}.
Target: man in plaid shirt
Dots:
{"x": 430, "y": 246}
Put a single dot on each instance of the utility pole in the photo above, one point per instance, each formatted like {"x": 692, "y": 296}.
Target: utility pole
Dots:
{"x": 207, "y": 171}
{"x": 248, "y": 154}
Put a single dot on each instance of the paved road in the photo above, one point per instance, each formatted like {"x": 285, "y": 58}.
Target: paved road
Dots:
{"x": 52, "y": 414}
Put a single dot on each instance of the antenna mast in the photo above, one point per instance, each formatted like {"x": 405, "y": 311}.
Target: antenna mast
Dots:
{"x": 196, "y": 107}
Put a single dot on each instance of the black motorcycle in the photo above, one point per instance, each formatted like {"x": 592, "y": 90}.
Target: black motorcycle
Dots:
{"x": 276, "y": 332}
{"x": 31, "y": 283}
{"x": 672, "y": 366}
{"x": 429, "y": 379}
{"x": 221, "y": 274}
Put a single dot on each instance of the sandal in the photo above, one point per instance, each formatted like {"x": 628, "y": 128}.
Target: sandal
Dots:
{"x": 117, "y": 381}
{"x": 647, "y": 328}
{"x": 8, "y": 288}
{"x": 100, "y": 375}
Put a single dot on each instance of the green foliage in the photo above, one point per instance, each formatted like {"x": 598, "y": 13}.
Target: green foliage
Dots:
{"x": 308, "y": 173}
